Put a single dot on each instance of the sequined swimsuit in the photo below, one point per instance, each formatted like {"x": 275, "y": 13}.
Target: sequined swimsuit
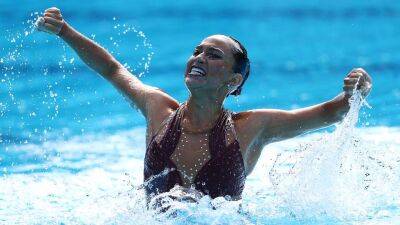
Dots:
{"x": 222, "y": 175}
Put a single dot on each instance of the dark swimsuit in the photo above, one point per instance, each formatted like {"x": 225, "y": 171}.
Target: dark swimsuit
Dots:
{"x": 223, "y": 175}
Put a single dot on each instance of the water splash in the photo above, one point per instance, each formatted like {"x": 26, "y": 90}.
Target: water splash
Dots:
{"x": 72, "y": 191}
{"x": 342, "y": 175}
{"x": 119, "y": 43}
{"x": 97, "y": 179}
{"x": 88, "y": 183}
{"x": 23, "y": 57}
{"x": 49, "y": 80}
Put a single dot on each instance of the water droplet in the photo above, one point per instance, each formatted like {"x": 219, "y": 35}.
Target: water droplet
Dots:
{"x": 53, "y": 94}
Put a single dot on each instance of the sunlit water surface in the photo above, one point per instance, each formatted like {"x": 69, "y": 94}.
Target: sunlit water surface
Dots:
{"x": 71, "y": 148}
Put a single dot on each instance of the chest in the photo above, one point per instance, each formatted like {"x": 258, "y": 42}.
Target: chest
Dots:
{"x": 191, "y": 154}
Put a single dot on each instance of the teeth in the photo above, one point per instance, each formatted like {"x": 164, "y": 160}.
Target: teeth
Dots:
{"x": 197, "y": 71}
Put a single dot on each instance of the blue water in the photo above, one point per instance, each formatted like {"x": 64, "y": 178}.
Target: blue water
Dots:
{"x": 71, "y": 147}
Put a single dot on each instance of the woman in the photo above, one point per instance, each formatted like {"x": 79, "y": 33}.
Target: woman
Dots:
{"x": 199, "y": 144}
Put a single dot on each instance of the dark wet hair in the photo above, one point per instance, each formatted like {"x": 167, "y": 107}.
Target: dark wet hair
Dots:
{"x": 242, "y": 64}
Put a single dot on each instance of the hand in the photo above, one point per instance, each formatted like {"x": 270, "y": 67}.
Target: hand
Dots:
{"x": 360, "y": 78}
{"x": 51, "y": 21}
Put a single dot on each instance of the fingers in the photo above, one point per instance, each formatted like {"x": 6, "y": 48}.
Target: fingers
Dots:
{"x": 355, "y": 75}
{"x": 349, "y": 87}
{"x": 53, "y": 15}
{"x": 356, "y": 72}
{"x": 357, "y": 79}
{"x": 358, "y": 75}
{"x": 49, "y": 28}
{"x": 54, "y": 28}
{"x": 49, "y": 25}
{"x": 51, "y": 22}
{"x": 53, "y": 9}
{"x": 53, "y": 12}
{"x": 350, "y": 80}
{"x": 360, "y": 72}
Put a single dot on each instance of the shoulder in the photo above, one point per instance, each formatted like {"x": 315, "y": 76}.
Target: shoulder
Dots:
{"x": 159, "y": 107}
{"x": 258, "y": 117}
{"x": 159, "y": 98}
{"x": 249, "y": 126}
{"x": 255, "y": 126}
{"x": 253, "y": 118}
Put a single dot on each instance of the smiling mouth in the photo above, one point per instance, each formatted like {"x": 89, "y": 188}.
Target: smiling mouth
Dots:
{"x": 197, "y": 71}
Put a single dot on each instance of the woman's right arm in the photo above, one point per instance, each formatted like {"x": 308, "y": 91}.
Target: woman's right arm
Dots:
{"x": 151, "y": 101}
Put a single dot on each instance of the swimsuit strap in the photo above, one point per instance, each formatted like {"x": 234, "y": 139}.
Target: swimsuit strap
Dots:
{"x": 222, "y": 175}
{"x": 232, "y": 125}
{"x": 173, "y": 132}
{"x": 217, "y": 136}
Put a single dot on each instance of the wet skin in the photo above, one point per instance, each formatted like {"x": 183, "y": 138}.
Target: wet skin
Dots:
{"x": 209, "y": 83}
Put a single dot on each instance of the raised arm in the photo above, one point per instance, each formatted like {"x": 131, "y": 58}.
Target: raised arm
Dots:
{"x": 152, "y": 102}
{"x": 276, "y": 125}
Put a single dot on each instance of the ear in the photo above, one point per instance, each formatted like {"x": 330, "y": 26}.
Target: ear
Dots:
{"x": 236, "y": 80}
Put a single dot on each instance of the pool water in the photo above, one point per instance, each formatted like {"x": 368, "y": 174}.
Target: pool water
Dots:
{"x": 72, "y": 148}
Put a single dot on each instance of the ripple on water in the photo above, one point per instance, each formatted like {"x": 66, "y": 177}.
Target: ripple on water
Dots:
{"x": 104, "y": 188}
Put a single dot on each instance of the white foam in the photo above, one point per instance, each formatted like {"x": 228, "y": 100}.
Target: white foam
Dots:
{"x": 95, "y": 179}
{"x": 344, "y": 174}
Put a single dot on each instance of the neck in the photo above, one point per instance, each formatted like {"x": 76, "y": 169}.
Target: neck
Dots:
{"x": 202, "y": 112}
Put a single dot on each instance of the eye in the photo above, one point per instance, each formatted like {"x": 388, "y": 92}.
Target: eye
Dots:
{"x": 196, "y": 52}
{"x": 214, "y": 55}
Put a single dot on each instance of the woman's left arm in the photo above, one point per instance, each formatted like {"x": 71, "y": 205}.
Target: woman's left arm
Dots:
{"x": 276, "y": 125}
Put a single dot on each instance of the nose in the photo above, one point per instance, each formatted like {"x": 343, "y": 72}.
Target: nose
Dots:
{"x": 200, "y": 58}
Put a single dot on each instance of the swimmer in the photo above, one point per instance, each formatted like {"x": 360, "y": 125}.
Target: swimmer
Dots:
{"x": 200, "y": 144}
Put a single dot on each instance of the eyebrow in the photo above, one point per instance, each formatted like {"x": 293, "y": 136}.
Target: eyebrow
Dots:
{"x": 212, "y": 48}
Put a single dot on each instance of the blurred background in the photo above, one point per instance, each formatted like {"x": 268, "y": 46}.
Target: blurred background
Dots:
{"x": 72, "y": 148}
{"x": 300, "y": 51}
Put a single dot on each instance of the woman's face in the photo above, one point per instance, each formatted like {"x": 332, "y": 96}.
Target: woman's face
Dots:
{"x": 210, "y": 68}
